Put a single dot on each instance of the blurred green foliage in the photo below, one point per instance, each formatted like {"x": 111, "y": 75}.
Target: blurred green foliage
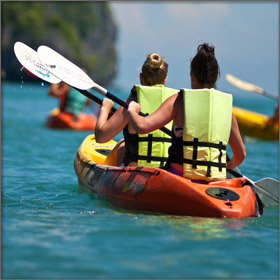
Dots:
{"x": 84, "y": 32}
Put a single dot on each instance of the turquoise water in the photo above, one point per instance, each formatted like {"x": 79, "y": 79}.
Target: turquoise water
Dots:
{"x": 50, "y": 229}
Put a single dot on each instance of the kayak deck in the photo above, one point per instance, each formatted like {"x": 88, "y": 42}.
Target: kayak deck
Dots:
{"x": 156, "y": 190}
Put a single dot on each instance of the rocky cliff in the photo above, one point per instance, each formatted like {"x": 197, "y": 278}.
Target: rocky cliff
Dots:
{"x": 83, "y": 32}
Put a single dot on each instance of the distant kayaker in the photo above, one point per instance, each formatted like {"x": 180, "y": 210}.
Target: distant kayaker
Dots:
{"x": 203, "y": 123}
{"x": 71, "y": 101}
{"x": 138, "y": 150}
{"x": 274, "y": 119}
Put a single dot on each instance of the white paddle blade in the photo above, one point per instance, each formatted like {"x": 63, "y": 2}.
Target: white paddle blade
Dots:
{"x": 249, "y": 87}
{"x": 64, "y": 69}
{"x": 28, "y": 59}
{"x": 243, "y": 85}
{"x": 268, "y": 191}
{"x": 269, "y": 184}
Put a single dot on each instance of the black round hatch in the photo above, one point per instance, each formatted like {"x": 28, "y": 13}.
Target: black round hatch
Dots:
{"x": 222, "y": 193}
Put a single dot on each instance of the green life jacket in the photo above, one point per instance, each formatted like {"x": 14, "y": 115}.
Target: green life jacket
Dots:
{"x": 75, "y": 102}
{"x": 207, "y": 126}
{"x": 153, "y": 147}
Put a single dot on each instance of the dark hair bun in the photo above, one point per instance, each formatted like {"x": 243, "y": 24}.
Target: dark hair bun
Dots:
{"x": 205, "y": 66}
{"x": 206, "y": 48}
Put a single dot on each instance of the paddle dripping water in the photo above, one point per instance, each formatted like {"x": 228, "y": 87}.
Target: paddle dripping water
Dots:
{"x": 50, "y": 229}
{"x": 29, "y": 59}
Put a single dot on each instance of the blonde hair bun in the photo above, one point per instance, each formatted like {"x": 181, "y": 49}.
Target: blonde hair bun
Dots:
{"x": 156, "y": 60}
{"x": 154, "y": 69}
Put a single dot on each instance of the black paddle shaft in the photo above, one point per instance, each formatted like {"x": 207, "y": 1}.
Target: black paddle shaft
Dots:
{"x": 125, "y": 105}
{"x": 234, "y": 173}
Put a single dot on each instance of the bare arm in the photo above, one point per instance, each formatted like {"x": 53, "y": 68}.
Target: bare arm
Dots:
{"x": 108, "y": 127}
{"x": 236, "y": 145}
{"x": 163, "y": 115}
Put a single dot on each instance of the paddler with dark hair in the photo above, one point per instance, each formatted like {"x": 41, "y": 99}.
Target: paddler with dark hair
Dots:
{"x": 138, "y": 150}
{"x": 70, "y": 100}
{"x": 203, "y": 123}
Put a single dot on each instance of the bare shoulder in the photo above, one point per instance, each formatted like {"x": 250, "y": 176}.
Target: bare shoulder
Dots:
{"x": 178, "y": 110}
{"x": 171, "y": 100}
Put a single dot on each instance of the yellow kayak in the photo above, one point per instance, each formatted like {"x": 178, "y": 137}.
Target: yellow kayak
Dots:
{"x": 255, "y": 125}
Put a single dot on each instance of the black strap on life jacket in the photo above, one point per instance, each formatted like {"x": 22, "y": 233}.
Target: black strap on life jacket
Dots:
{"x": 132, "y": 144}
{"x": 194, "y": 162}
{"x": 150, "y": 139}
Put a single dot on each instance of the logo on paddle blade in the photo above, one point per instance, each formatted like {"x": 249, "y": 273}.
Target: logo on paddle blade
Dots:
{"x": 43, "y": 74}
{"x": 50, "y": 66}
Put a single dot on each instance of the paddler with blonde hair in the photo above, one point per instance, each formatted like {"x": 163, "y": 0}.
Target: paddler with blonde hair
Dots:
{"x": 135, "y": 149}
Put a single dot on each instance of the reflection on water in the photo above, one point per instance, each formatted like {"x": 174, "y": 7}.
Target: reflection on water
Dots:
{"x": 191, "y": 228}
{"x": 198, "y": 228}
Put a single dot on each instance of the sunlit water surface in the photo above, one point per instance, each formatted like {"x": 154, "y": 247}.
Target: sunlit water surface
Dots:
{"x": 50, "y": 229}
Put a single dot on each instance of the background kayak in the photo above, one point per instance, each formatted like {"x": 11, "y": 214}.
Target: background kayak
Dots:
{"x": 63, "y": 120}
{"x": 254, "y": 125}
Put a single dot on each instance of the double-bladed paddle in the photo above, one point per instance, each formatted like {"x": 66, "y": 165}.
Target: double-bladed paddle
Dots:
{"x": 249, "y": 87}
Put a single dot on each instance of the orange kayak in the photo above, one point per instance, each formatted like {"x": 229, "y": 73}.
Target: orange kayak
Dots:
{"x": 63, "y": 120}
{"x": 255, "y": 125}
{"x": 156, "y": 190}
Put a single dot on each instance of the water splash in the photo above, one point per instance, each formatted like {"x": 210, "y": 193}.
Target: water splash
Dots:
{"x": 21, "y": 69}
